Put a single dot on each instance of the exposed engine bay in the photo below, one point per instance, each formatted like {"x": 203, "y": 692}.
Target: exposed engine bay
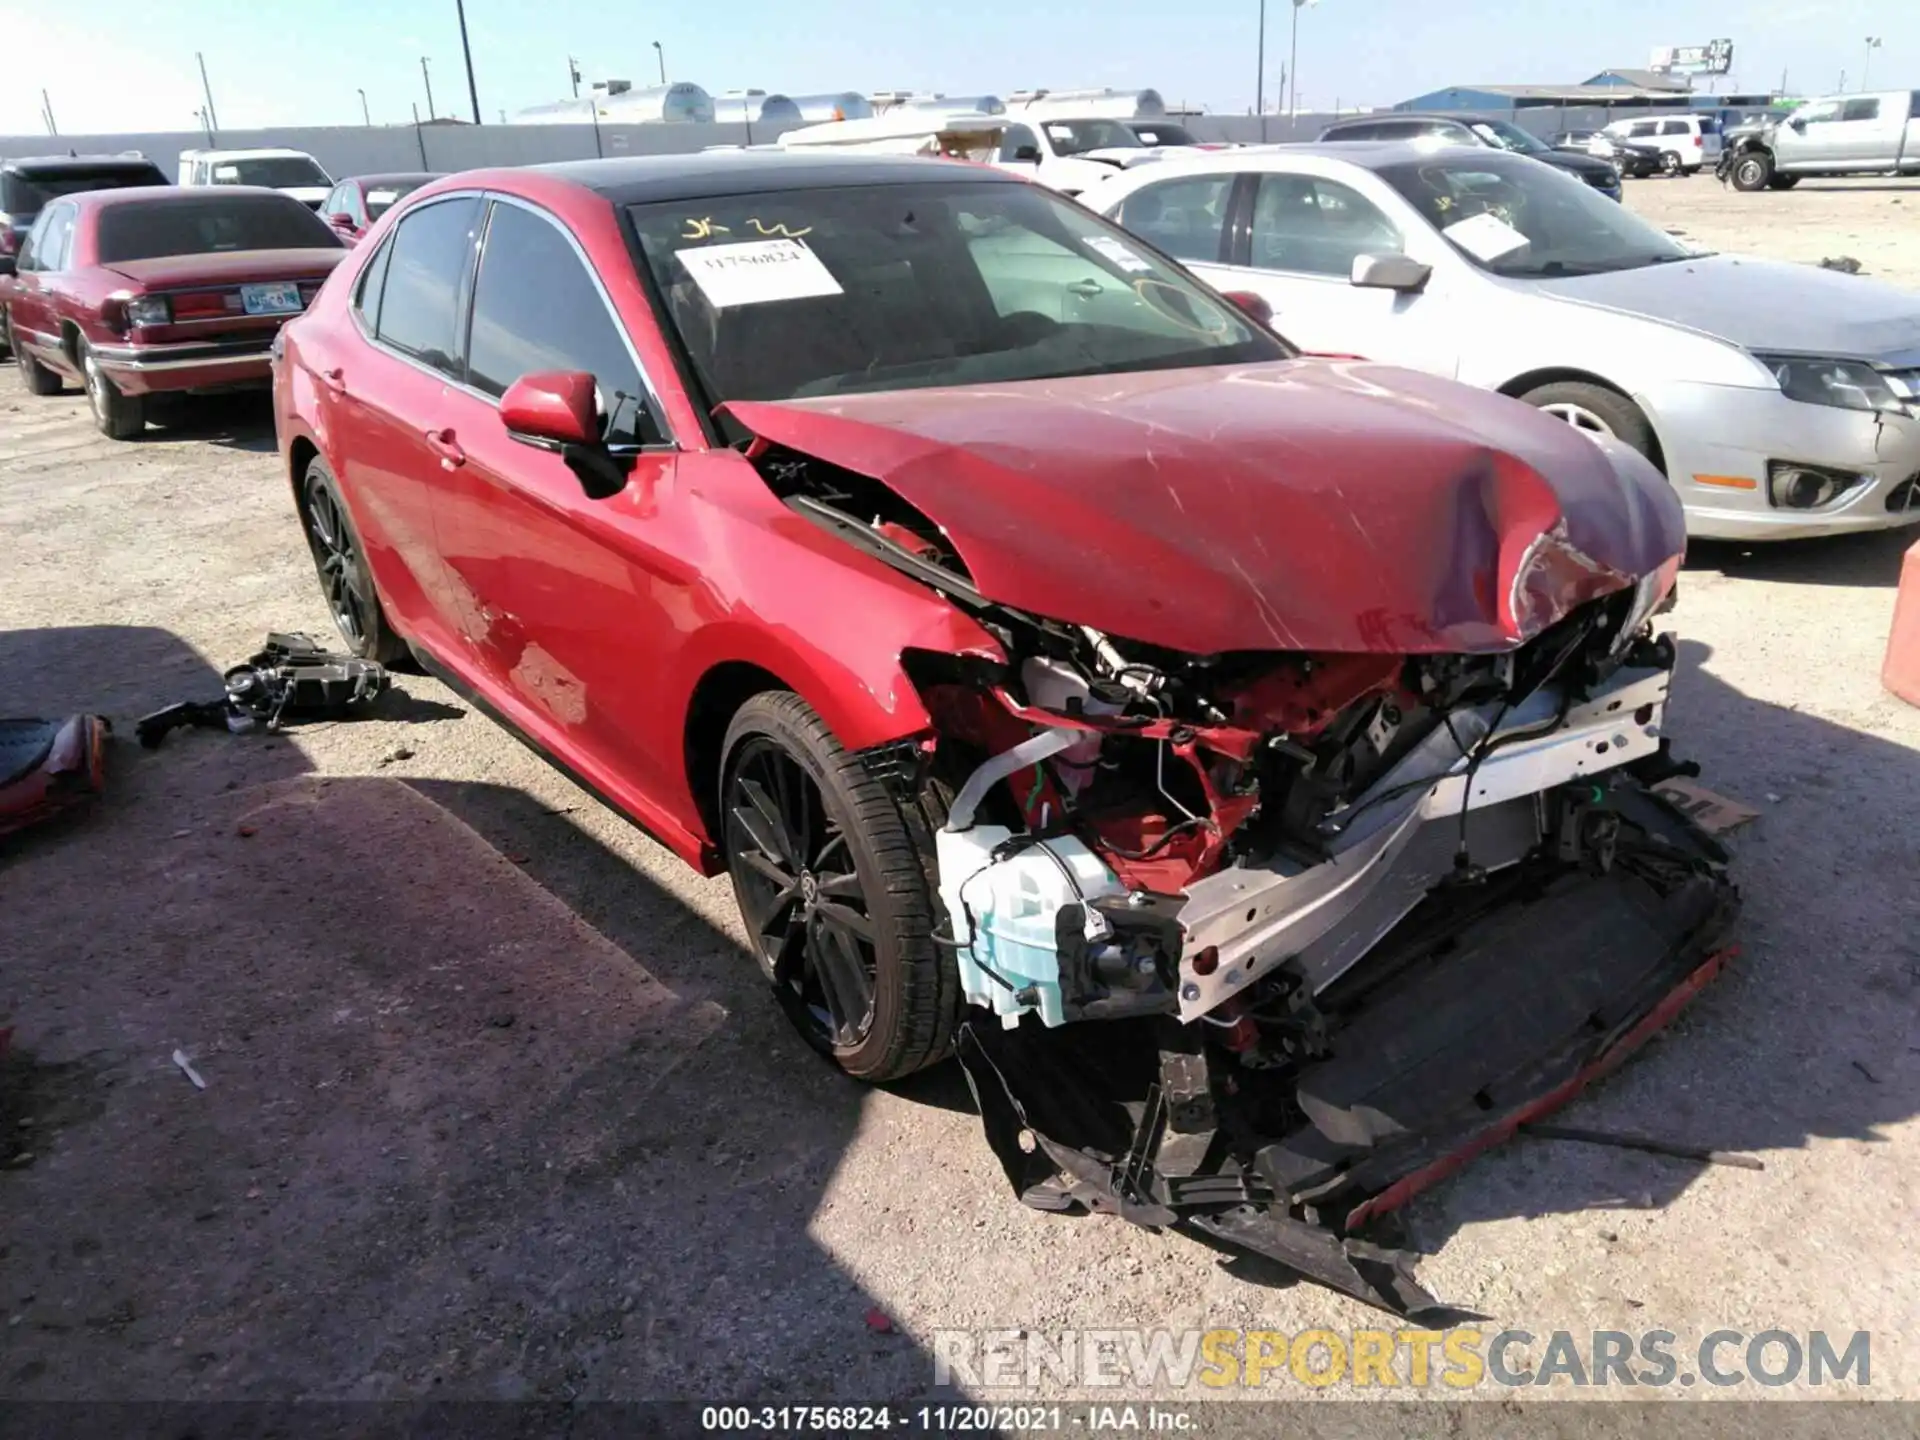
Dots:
{"x": 1347, "y": 917}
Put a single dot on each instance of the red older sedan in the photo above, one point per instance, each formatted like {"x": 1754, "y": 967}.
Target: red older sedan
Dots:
{"x": 134, "y": 292}
{"x": 1243, "y": 761}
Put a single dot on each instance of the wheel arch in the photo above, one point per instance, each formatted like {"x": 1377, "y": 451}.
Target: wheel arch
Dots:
{"x": 716, "y": 699}
{"x": 301, "y": 452}
{"x": 1520, "y": 385}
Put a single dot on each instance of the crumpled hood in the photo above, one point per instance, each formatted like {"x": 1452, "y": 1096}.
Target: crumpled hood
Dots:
{"x": 1763, "y": 305}
{"x": 1299, "y": 505}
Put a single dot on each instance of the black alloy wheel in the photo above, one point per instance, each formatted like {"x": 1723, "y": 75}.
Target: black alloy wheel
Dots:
{"x": 801, "y": 895}
{"x": 835, "y": 894}
{"x": 340, "y": 562}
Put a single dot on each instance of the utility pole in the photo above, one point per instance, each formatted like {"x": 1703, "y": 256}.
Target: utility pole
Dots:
{"x": 213, "y": 120}
{"x": 366, "y": 116}
{"x": 1873, "y": 44}
{"x": 1260, "y": 73}
{"x": 1293, "y": 63}
{"x": 424, "y": 75}
{"x": 573, "y": 73}
{"x": 46, "y": 111}
{"x": 661, "y": 56}
{"x": 466, "y": 53}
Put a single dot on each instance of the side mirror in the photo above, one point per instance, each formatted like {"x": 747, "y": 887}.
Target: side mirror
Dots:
{"x": 8, "y": 265}
{"x": 555, "y": 410}
{"x": 340, "y": 220}
{"x": 1389, "y": 272}
{"x": 1797, "y": 125}
{"x": 1255, "y": 306}
{"x": 1026, "y": 152}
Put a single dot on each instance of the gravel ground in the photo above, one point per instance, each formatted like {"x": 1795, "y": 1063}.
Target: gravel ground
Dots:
{"x": 494, "y": 1107}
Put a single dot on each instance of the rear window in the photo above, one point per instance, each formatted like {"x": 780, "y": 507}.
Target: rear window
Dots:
{"x": 27, "y": 190}
{"x": 204, "y": 227}
{"x": 281, "y": 172}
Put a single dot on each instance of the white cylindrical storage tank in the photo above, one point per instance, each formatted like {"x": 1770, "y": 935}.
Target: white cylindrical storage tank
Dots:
{"x": 958, "y": 105}
{"x": 680, "y": 103}
{"x": 754, "y": 108}
{"x": 1110, "y": 104}
{"x": 845, "y": 105}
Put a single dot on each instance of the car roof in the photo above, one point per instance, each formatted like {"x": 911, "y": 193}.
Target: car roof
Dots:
{"x": 395, "y": 177}
{"x": 1465, "y": 117}
{"x": 644, "y": 179}
{"x": 270, "y": 152}
{"x": 54, "y": 164}
{"x": 168, "y": 195}
{"x": 1362, "y": 154}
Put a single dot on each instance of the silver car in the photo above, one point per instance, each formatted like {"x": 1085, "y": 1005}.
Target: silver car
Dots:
{"x": 1781, "y": 400}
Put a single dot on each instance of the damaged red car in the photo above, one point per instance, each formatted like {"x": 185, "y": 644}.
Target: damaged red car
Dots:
{"x": 1242, "y": 761}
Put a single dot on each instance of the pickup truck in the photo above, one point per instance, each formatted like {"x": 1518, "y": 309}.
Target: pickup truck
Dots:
{"x": 1876, "y": 134}
{"x": 1071, "y": 153}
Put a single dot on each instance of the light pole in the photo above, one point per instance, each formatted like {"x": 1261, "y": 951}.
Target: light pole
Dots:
{"x": 466, "y": 53}
{"x": 1873, "y": 44}
{"x": 213, "y": 121}
{"x": 573, "y": 73}
{"x": 661, "y": 56}
{"x": 429, "y": 79}
{"x": 1293, "y": 61}
{"x": 366, "y": 115}
{"x": 1260, "y": 73}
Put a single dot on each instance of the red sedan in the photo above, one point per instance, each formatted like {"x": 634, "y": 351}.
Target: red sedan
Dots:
{"x": 1210, "y": 744}
{"x": 354, "y": 204}
{"x": 135, "y": 292}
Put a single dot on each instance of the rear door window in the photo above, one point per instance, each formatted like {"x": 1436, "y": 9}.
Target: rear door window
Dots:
{"x": 1184, "y": 217}
{"x": 1674, "y": 127}
{"x": 537, "y": 308}
{"x": 56, "y": 241}
{"x": 426, "y": 282}
{"x": 1017, "y": 138}
{"x": 1865, "y": 109}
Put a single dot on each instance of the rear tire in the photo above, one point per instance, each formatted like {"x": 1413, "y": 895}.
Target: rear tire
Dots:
{"x": 834, "y": 894}
{"x": 117, "y": 416}
{"x": 1596, "y": 410}
{"x": 1670, "y": 162}
{"x": 1753, "y": 171}
{"x": 6, "y": 337}
{"x": 340, "y": 561}
{"x": 38, "y": 379}
{"x": 1782, "y": 182}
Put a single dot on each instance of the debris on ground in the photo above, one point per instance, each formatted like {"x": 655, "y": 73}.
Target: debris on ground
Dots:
{"x": 1712, "y": 812}
{"x": 1845, "y": 264}
{"x": 1872, "y": 1078}
{"x": 291, "y": 679}
{"x": 47, "y": 766}
{"x": 1642, "y": 1142}
{"x": 879, "y": 1322}
{"x": 396, "y": 755}
{"x": 186, "y": 1068}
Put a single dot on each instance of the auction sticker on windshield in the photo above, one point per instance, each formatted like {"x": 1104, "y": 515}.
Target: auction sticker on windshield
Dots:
{"x": 754, "y": 272}
{"x": 1485, "y": 237}
{"x": 1117, "y": 253}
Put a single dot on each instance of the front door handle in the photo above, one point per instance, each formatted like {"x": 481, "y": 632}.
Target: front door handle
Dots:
{"x": 1085, "y": 289}
{"x": 442, "y": 443}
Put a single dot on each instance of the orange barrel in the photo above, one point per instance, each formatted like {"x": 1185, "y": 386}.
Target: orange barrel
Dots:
{"x": 1901, "y": 673}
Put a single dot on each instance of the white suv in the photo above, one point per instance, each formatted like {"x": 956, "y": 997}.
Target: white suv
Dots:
{"x": 1686, "y": 142}
{"x": 293, "y": 172}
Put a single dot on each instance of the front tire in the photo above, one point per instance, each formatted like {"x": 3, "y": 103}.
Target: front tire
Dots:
{"x": 1670, "y": 162}
{"x": 117, "y": 416}
{"x": 834, "y": 894}
{"x": 1753, "y": 171}
{"x": 1782, "y": 182}
{"x": 340, "y": 561}
{"x": 1596, "y": 410}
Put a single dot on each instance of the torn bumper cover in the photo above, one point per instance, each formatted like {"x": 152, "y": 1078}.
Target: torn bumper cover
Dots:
{"x": 1495, "y": 1000}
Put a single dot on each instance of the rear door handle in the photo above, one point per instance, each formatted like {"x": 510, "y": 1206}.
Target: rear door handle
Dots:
{"x": 1085, "y": 289}
{"x": 442, "y": 443}
{"x": 335, "y": 380}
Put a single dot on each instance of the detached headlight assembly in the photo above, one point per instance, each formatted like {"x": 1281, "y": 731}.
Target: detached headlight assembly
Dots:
{"x": 1844, "y": 384}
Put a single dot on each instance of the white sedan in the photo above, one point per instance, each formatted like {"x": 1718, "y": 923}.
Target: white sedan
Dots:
{"x": 1781, "y": 400}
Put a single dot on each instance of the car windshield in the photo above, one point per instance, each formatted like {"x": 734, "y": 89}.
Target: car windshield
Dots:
{"x": 29, "y": 190}
{"x": 210, "y": 226}
{"x": 278, "y": 172}
{"x": 1502, "y": 136}
{"x": 381, "y": 196}
{"x": 1163, "y": 135}
{"x": 1076, "y": 137}
{"x": 803, "y": 293}
{"x": 1517, "y": 217}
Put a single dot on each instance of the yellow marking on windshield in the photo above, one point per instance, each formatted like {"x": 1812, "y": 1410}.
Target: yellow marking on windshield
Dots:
{"x": 703, "y": 228}
{"x": 778, "y": 228}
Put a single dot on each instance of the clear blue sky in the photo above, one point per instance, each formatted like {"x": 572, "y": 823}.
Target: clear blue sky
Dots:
{"x": 123, "y": 65}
